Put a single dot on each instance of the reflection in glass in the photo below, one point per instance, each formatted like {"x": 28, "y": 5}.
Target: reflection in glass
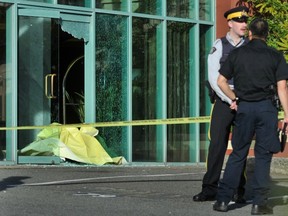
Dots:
{"x": 183, "y": 8}
{"x": 38, "y": 49}
{"x": 144, "y": 86}
{"x": 148, "y": 7}
{"x": 82, "y": 3}
{"x": 178, "y": 88}
{"x": 205, "y": 8}
{"x": 118, "y": 5}
{"x": 111, "y": 78}
{"x": 3, "y": 75}
{"x": 205, "y": 35}
{"x": 44, "y": 1}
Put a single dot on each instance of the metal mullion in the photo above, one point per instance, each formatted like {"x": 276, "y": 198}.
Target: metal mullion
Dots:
{"x": 11, "y": 100}
{"x": 129, "y": 87}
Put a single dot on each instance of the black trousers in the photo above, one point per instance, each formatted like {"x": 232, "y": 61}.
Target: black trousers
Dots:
{"x": 258, "y": 118}
{"x": 220, "y": 127}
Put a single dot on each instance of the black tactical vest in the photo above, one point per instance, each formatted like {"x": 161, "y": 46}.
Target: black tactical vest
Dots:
{"x": 226, "y": 49}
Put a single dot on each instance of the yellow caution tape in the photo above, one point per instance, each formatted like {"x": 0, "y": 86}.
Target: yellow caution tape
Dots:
{"x": 188, "y": 120}
{"x": 200, "y": 119}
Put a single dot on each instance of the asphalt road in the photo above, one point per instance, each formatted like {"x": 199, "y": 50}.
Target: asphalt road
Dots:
{"x": 117, "y": 191}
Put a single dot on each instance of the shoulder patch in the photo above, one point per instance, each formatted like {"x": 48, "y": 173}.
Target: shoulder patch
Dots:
{"x": 212, "y": 50}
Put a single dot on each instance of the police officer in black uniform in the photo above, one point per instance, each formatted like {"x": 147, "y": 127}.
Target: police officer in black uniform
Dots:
{"x": 254, "y": 67}
{"x": 222, "y": 116}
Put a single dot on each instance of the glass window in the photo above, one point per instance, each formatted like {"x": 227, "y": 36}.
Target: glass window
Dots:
{"x": 119, "y": 5}
{"x": 44, "y": 1}
{"x": 146, "y": 61}
{"x": 36, "y": 59}
{"x": 111, "y": 78}
{"x": 5, "y": 64}
{"x": 82, "y": 3}
{"x": 178, "y": 88}
{"x": 149, "y": 7}
{"x": 205, "y": 105}
{"x": 183, "y": 8}
{"x": 205, "y": 10}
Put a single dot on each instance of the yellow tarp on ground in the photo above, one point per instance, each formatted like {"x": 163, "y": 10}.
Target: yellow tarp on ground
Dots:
{"x": 71, "y": 143}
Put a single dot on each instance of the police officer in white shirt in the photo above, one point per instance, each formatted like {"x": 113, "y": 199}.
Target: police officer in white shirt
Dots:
{"x": 222, "y": 116}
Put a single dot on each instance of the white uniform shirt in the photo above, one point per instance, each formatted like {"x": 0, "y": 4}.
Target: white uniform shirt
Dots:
{"x": 214, "y": 66}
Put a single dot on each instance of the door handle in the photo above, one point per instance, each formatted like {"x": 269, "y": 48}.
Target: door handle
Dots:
{"x": 49, "y": 85}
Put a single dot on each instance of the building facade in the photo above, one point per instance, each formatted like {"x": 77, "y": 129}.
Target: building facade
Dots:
{"x": 89, "y": 61}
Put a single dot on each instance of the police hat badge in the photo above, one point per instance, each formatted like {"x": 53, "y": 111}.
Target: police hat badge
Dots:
{"x": 237, "y": 12}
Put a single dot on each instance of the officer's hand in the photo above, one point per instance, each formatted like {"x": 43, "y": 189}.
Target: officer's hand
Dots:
{"x": 234, "y": 105}
{"x": 285, "y": 121}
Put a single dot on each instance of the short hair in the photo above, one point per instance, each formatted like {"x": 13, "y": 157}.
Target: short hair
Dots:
{"x": 259, "y": 28}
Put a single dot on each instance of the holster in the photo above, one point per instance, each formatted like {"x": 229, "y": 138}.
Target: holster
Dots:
{"x": 275, "y": 98}
{"x": 211, "y": 92}
{"x": 283, "y": 137}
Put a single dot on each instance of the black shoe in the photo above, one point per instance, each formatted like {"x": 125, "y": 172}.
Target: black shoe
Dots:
{"x": 261, "y": 210}
{"x": 239, "y": 198}
{"x": 201, "y": 197}
{"x": 220, "y": 206}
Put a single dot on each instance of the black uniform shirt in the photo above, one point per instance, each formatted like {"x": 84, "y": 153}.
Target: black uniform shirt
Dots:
{"x": 255, "y": 67}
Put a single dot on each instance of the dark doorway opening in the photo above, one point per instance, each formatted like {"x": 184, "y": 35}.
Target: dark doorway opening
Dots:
{"x": 71, "y": 83}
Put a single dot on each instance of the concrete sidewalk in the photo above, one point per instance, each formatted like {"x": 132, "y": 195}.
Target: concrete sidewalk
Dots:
{"x": 279, "y": 165}
{"x": 118, "y": 190}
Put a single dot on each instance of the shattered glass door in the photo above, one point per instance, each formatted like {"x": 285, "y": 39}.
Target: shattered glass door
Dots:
{"x": 48, "y": 48}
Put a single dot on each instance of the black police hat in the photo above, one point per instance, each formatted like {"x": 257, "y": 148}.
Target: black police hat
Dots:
{"x": 236, "y": 13}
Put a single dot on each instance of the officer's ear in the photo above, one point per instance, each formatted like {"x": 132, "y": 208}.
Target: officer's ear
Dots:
{"x": 230, "y": 23}
{"x": 250, "y": 35}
